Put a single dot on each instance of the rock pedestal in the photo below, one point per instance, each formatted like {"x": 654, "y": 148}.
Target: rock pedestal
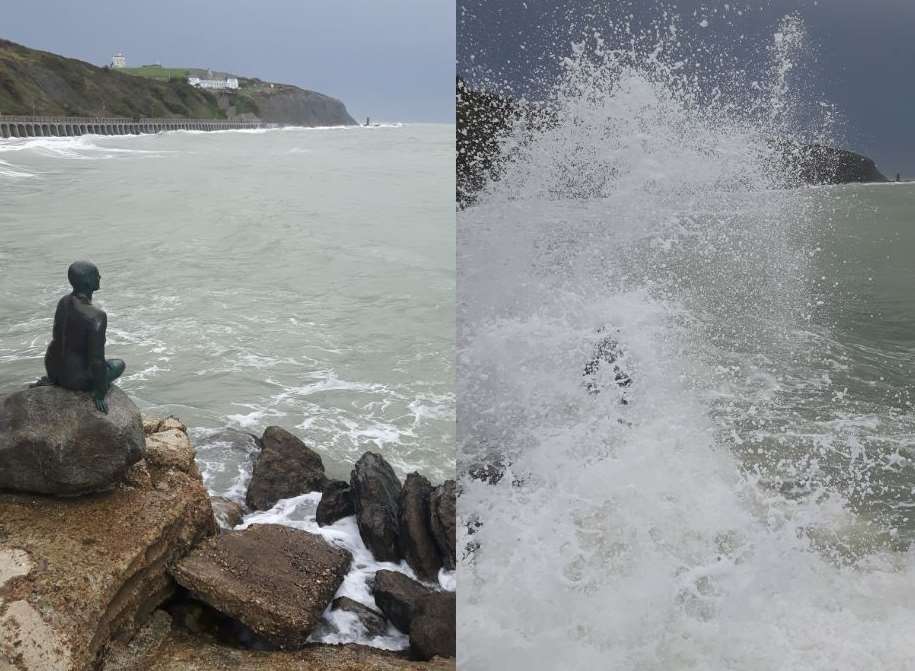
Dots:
{"x": 77, "y": 573}
{"x": 54, "y": 441}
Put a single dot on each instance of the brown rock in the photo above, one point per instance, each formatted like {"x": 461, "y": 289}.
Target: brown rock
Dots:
{"x": 187, "y": 652}
{"x": 396, "y": 595}
{"x": 285, "y": 467}
{"x": 78, "y": 573}
{"x": 171, "y": 449}
{"x": 151, "y": 424}
{"x": 443, "y": 522}
{"x": 274, "y": 579}
{"x": 416, "y": 541}
{"x": 433, "y": 631}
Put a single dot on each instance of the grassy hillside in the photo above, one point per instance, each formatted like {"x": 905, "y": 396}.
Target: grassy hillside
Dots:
{"x": 38, "y": 82}
{"x": 157, "y": 72}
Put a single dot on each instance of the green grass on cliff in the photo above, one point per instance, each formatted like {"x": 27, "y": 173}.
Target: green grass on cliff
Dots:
{"x": 42, "y": 83}
{"x": 157, "y": 72}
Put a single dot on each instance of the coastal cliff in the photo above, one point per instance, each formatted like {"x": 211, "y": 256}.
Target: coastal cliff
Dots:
{"x": 34, "y": 82}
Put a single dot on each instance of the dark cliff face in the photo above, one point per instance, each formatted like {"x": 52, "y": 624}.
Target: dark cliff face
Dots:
{"x": 818, "y": 164}
{"x": 483, "y": 119}
{"x": 298, "y": 107}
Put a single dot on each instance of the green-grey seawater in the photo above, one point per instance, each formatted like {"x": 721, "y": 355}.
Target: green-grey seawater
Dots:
{"x": 299, "y": 277}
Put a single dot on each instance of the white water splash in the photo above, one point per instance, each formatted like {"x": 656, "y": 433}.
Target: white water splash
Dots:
{"x": 638, "y": 536}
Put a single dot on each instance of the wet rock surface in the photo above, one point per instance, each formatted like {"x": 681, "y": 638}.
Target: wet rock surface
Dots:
{"x": 336, "y": 503}
{"x": 373, "y": 621}
{"x": 274, "y": 579}
{"x": 397, "y": 596}
{"x": 228, "y": 513}
{"x": 285, "y": 467}
{"x": 433, "y": 630}
{"x": 376, "y": 497}
{"x": 54, "y": 441}
{"x": 443, "y": 521}
{"x": 416, "y": 540}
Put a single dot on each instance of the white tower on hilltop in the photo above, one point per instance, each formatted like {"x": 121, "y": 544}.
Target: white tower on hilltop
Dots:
{"x": 119, "y": 60}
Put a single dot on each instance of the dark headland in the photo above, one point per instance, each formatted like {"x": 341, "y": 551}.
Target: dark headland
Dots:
{"x": 483, "y": 118}
{"x": 34, "y": 82}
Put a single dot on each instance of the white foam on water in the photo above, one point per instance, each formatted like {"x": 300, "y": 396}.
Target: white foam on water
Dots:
{"x": 641, "y": 535}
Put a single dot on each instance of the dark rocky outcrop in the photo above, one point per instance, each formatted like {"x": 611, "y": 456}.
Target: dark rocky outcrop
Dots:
{"x": 285, "y": 104}
{"x": 77, "y": 574}
{"x": 433, "y": 631}
{"x": 376, "y": 496}
{"x": 397, "y": 595}
{"x": 274, "y": 579}
{"x": 335, "y": 504}
{"x": 228, "y": 513}
{"x": 416, "y": 541}
{"x": 819, "y": 164}
{"x": 54, "y": 441}
{"x": 482, "y": 119}
{"x": 373, "y": 621}
{"x": 443, "y": 521}
{"x": 286, "y": 467}
{"x": 485, "y": 118}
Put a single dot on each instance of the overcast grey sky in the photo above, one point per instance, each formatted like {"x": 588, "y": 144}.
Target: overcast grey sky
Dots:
{"x": 862, "y": 56}
{"x": 391, "y": 59}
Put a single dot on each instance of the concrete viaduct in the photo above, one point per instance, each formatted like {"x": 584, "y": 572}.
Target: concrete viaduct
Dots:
{"x": 48, "y": 126}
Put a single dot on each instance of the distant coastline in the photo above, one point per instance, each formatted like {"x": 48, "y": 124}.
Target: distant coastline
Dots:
{"x": 40, "y": 83}
{"x": 483, "y": 118}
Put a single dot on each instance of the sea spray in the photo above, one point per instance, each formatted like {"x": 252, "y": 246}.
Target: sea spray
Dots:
{"x": 681, "y": 523}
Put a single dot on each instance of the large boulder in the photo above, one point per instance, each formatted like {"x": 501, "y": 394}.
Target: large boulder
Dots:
{"x": 274, "y": 579}
{"x": 416, "y": 541}
{"x": 335, "y": 504}
{"x": 79, "y": 573}
{"x": 54, "y": 441}
{"x": 433, "y": 630}
{"x": 443, "y": 522}
{"x": 397, "y": 595}
{"x": 286, "y": 467}
{"x": 376, "y": 497}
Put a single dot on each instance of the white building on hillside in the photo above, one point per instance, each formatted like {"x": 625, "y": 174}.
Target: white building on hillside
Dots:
{"x": 228, "y": 83}
{"x": 119, "y": 60}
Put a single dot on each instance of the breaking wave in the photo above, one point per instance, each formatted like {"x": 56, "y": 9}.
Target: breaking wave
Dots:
{"x": 728, "y": 507}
